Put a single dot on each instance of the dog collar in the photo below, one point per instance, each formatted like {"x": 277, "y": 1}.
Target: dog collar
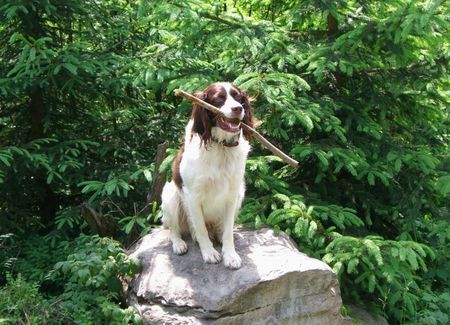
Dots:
{"x": 232, "y": 143}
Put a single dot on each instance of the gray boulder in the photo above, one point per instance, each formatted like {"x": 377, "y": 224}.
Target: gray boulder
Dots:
{"x": 275, "y": 285}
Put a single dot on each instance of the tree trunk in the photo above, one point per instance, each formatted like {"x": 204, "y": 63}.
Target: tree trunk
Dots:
{"x": 332, "y": 25}
{"x": 37, "y": 113}
{"x": 48, "y": 203}
{"x": 159, "y": 179}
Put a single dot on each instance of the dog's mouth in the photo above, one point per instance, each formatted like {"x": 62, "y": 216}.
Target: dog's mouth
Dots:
{"x": 229, "y": 126}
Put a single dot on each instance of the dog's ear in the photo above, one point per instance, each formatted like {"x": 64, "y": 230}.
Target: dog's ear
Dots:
{"x": 202, "y": 122}
{"x": 248, "y": 116}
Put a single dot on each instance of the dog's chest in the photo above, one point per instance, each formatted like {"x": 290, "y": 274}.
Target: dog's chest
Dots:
{"x": 217, "y": 195}
{"x": 219, "y": 176}
{"x": 215, "y": 176}
{"x": 220, "y": 185}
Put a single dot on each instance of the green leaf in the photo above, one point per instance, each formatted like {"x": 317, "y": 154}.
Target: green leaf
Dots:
{"x": 129, "y": 226}
{"x": 321, "y": 155}
{"x": 398, "y": 165}
{"x": 351, "y": 169}
{"x": 312, "y": 229}
{"x": 337, "y": 268}
{"x": 148, "y": 175}
{"x": 442, "y": 184}
{"x": 32, "y": 54}
{"x": 371, "y": 179}
{"x": 372, "y": 282}
{"x": 5, "y": 158}
{"x": 306, "y": 121}
{"x": 50, "y": 177}
{"x": 412, "y": 259}
{"x": 394, "y": 298}
{"x": 352, "y": 264}
{"x": 328, "y": 258}
{"x": 111, "y": 186}
{"x": 373, "y": 250}
{"x": 391, "y": 156}
{"x": 70, "y": 67}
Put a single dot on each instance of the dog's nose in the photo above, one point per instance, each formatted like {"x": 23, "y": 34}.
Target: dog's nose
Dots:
{"x": 237, "y": 109}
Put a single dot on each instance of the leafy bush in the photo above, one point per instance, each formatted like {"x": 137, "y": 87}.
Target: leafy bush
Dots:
{"x": 21, "y": 303}
{"x": 84, "y": 287}
{"x": 92, "y": 281}
{"x": 6, "y": 256}
{"x": 389, "y": 269}
{"x": 435, "y": 310}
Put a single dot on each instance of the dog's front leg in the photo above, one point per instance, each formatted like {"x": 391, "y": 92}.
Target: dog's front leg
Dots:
{"x": 231, "y": 259}
{"x": 197, "y": 222}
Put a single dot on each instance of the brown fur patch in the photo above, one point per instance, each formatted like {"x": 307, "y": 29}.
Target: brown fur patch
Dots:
{"x": 183, "y": 220}
{"x": 202, "y": 122}
{"x": 176, "y": 176}
{"x": 248, "y": 117}
{"x": 213, "y": 233}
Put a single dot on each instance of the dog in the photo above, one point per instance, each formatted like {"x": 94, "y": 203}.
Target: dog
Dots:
{"x": 207, "y": 187}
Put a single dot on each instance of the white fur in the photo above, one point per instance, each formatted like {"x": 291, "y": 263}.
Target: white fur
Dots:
{"x": 212, "y": 193}
{"x": 230, "y": 102}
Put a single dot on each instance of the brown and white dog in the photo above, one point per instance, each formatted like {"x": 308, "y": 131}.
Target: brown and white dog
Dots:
{"x": 207, "y": 187}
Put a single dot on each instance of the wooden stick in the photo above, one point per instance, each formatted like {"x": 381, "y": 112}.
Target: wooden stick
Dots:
{"x": 255, "y": 133}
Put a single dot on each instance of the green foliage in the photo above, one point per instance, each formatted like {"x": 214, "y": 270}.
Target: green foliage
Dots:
{"x": 92, "y": 281}
{"x": 356, "y": 91}
{"x": 84, "y": 287}
{"x": 35, "y": 258}
{"x": 436, "y": 308}
{"x": 116, "y": 185}
{"x": 437, "y": 234}
{"x": 21, "y": 303}
{"x": 389, "y": 269}
{"x": 7, "y": 258}
{"x": 143, "y": 223}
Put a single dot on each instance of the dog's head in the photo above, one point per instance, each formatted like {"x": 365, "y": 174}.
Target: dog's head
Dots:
{"x": 233, "y": 102}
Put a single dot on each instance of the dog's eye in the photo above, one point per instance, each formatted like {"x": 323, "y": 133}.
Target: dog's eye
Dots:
{"x": 218, "y": 101}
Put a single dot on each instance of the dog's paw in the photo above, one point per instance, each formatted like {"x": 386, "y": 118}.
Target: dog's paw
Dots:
{"x": 211, "y": 256}
{"x": 231, "y": 260}
{"x": 180, "y": 247}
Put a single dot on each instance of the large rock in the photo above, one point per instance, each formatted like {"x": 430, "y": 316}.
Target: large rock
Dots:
{"x": 276, "y": 284}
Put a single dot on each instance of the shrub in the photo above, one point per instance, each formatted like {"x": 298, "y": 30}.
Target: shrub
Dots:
{"x": 21, "y": 303}
{"x": 92, "y": 275}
